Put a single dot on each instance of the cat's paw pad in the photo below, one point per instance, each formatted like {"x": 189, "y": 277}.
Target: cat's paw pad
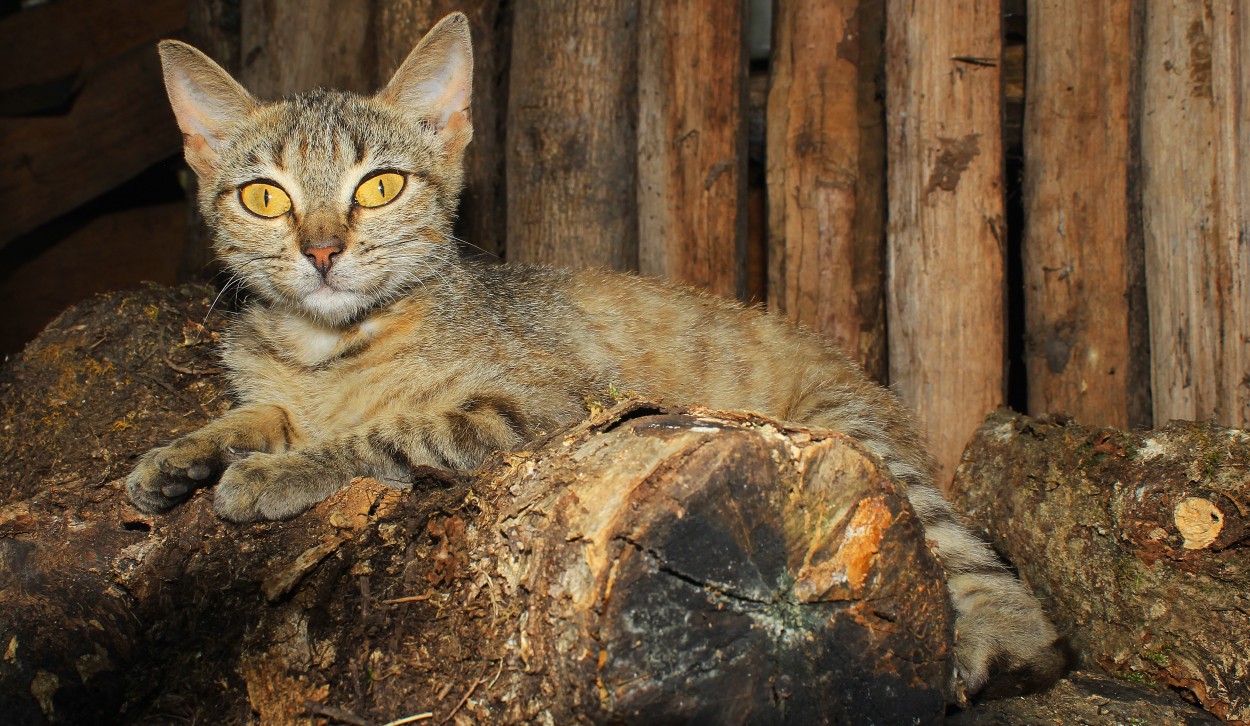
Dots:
{"x": 269, "y": 487}
{"x": 154, "y": 488}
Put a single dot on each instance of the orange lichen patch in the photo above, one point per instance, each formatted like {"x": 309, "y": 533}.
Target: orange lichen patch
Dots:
{"x": 842, "y": 575}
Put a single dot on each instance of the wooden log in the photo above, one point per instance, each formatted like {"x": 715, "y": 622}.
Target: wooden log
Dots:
{"x": 572, "y": 134}
{"x": 692, "y": 159}
{"x": 826, "y": 173}
{"x": 1087, "y": 343}
{"x": 398, "y": 28}
{"x": 292, "y": 47}
{"x": 945, "y": 235}
{"x": 646, "y": 565}
{"x": 1195, "y": 136}
{"x": 118, "y": 125}
{"x": 1137, "y": 542}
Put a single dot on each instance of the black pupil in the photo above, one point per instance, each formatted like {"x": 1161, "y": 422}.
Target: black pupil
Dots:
{"x": 381, "y": 188}
{"x": 266, "y": 193}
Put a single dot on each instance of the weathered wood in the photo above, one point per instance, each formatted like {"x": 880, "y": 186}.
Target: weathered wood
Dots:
{"x": 647, "y": 565}
{"x": 1087, "y": 347}
{"x": 692, "y": 159}
{"x": 1136, "y": 542}
{"x": 1196, "y": 207}
{"x": 572, "y": 134}
{"x": 399, "y": 26}
{"x": 49, "y": 52}
{"x": 291, "y": 47}
{"x": 945, "y": 234}
{"x": 119, "y": 125}
{"x": 826, "y": 173}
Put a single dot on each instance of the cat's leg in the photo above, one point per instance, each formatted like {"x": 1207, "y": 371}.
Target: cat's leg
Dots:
{"x": 281, "y": 485}
{"x": 167, "y": 474}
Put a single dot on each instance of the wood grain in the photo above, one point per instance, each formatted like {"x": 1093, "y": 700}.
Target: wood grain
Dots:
{"x": 293, "y": 47}
{"x": 692, "y": 144}
{"x": 945, "y": 234}
{"x": 572, "y": 134}
{"x": 399, "y": 26}
{"x": 1195, "y": 204}
{"x": 826, "y": 173}
{"x": 1087, "y": 349}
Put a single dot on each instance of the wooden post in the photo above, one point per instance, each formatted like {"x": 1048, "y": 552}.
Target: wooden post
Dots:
{"x": 945, "y": 235}
{"x": 1195, "y": 134}
{"x": 826, "y": 173}
{"x": 571, "y": 134}
{"x": 692, "y": 144}
{"x": 292, "y": 47}
{"x": 1087, "y": 351}
{"x": 399, "y": 25}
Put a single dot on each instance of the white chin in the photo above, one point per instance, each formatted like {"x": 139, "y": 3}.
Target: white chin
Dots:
{"x": 332, "y": 306}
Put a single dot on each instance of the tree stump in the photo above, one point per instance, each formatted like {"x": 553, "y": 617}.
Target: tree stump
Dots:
{"x": 649, "y": 565}
{"x": 1137, "y": 542}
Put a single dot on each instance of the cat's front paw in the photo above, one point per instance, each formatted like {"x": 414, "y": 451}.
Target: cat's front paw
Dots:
{"x": 166, "y": 475}
{"x": 1004, "y": 643}
{"x": 271, "y": 486}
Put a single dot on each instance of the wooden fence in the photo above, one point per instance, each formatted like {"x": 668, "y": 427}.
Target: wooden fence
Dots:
{"x": 614, "y": 133}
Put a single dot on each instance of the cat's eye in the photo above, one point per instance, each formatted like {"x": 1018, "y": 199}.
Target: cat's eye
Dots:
{"x": 265, "y": 199}
{"x": 379, "y": 189}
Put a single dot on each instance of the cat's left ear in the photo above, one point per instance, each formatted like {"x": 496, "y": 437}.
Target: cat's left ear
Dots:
{"x": 435, "y": 81}
{"x": 207, "y": 102}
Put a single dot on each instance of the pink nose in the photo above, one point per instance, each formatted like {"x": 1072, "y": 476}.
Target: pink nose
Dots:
{"x": 322, "y": 258}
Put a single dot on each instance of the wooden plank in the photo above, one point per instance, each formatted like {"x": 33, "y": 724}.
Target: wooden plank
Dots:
{"x": 119, "y": 125}
{"x": 1082, "y": 248}
{"x": 1195, "y": 133}
{"x": 291, "y": 47}
{"x": 572, "y": 134}
{"x": 945, "y": 234}
{"x": 398, "y": 28}
{"x": 49, "y": 52}
{"x": 826, "y": 173}
{"x": 692, "y": 144}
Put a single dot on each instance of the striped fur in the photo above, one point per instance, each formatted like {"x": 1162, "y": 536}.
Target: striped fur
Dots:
{"x": 403, "y": 355}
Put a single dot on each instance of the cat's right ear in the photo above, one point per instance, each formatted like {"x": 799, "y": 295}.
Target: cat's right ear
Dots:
{"x": 206, "y": 101}
{"x": 435, "y": 81}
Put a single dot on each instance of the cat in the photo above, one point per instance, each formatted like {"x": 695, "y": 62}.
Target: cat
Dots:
{"x": 370, "y": 347}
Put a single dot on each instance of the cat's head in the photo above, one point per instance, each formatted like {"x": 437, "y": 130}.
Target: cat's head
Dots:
{"x": 330, "y": 203}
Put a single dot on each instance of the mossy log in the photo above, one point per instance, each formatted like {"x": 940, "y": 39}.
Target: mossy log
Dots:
{"x": 1137, "y": 542}
{"x": 650, "y": 565}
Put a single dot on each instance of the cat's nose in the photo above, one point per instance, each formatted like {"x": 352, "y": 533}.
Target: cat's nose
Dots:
{"x": 322, "y": 253}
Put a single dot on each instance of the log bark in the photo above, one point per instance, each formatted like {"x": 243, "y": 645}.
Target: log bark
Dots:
{"x": 1196, "y": 207}
{"x": 826, "y": 173}
{"x": 692, "y": 155}
{"x": 1087, "y": 341}
{"x": 480, "y": 224}
{"x": 647, "y": 565}
{"x": 572, "y": 134}
{"x": 1137, "y": 542}
{"x": 945, "y": 235}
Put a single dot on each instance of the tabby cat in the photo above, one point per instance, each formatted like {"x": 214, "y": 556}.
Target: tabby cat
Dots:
{"x": 370, "y": 347}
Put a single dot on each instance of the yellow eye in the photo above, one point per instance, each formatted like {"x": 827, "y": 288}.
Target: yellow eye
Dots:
{"x": 264, "y": 199}
{"x": 379, "y": 189}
